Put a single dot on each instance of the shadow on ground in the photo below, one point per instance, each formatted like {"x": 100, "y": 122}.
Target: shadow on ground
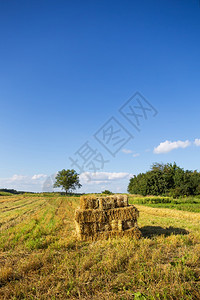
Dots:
{"x": 150, "y": 231}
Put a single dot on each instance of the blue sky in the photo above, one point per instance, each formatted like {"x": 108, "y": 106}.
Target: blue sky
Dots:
{"x": 66, "y": 68}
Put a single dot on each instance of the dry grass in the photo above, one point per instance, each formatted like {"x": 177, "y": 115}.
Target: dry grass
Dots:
{"x": 41, "y": 259}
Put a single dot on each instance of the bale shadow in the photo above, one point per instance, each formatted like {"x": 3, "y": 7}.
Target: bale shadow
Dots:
{"x": 151, "y": 231}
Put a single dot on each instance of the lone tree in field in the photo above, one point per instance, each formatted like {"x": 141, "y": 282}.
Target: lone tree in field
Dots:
{"x": 68, "y": 180}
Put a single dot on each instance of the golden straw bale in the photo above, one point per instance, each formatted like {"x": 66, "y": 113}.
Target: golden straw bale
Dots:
{"x": 86, "y": 229}
{"x": 128, "y": 224}
{"x": 133, "y": 233}
{"x": 123, "y": 213}
{"x": 120, "y": 201}
{"x": 107, "y": 202}
{"x": 91, "y": 228}
{"x": 90, "y": 215}
{"x": 102, "y": 216}
{"x": 89, "y": 202}
{"x": 103, "y": 202}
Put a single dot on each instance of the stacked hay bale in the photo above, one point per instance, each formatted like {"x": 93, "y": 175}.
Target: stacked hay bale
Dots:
{"x": 104, "y": 217}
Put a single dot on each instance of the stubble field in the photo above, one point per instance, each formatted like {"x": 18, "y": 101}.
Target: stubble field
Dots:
{"x": 40, "y": 257}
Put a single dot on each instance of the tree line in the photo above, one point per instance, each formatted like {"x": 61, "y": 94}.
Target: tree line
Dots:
{"x": 167, "y": 180}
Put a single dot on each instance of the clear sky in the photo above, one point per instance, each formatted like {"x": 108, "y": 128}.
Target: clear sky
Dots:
{"x": 66, "y": 69}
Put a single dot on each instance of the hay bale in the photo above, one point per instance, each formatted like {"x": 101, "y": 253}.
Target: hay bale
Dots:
{"x": 123, "y": 213}
{"x": 90, "y": 215}
{"x": 103, "y": 202}
{"x": 107, "y": 202}
{"x": 133, "y": 233}
{"x": 90, "y": 228}
{"x": 104, "y": 217}
{"x": 120, "y": 201}
{"x": 89, "y": 202}
{"x": 129, "y": 224}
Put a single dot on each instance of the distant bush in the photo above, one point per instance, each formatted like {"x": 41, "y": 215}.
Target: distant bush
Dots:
{"x": 5, "y": 194}
{"x": 107, "y": 192}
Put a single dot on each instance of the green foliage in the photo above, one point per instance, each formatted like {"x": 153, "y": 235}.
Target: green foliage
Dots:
{"x": 5, "y": 194}
{"x": 68, "y": 180}
{"x": 107, "y": 192}
{"x": 152, "y": 200}
{"x": 191, "y": 203}
{"x": 166, "y": 179}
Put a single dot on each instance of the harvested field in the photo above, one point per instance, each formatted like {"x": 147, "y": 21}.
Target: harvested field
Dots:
{"x": 40, "y": 257}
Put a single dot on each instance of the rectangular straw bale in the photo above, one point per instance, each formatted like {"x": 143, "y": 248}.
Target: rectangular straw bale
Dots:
{"x": 119, "y": 225}
{"x": 120, "y": 201}
{"x": 91, "y": 228}
{"x": 104, "y": 227}
{"x": 90, "y": 215}
{"x": 111, "y": 202}
{"x": 108, "y": 202}
{"x": 128, "y": 224}
{"x": 123, "y": 213}
{"x": 89, "y": 202}
{"x": 133, "y": 233}
{"x": 86, "y": 228}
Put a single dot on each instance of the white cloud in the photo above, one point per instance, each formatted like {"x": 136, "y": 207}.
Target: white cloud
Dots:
{"x": 127, "y": 151}
{"x": 24, "y": 183}
{"x": 114, "y": 176}
{"x": 17, "y": 177}
{"x": 136, "y": 154}
{"x": 197, "y": 142}
{"x": 39, "y": 176}
{"x": 96, "y": 182}
{"x": 102, "y": 177}
{"x": 168, "y": 146}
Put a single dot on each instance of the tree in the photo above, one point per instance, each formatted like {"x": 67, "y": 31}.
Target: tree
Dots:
{"x": 166, "y": 179}
{"x": 68, "y": 180}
